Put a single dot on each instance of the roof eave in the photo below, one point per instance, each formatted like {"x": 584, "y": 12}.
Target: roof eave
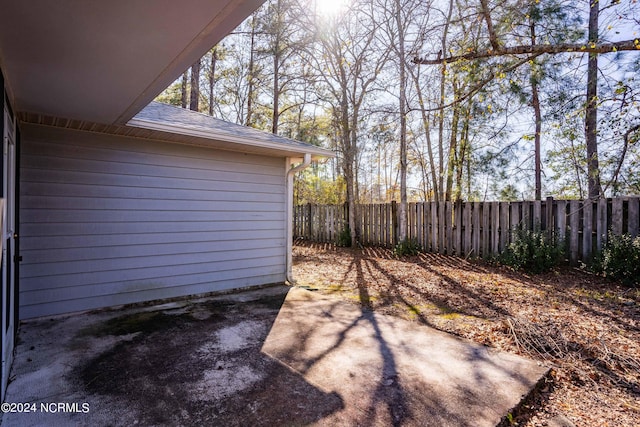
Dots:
{"x": 211, "y": 134}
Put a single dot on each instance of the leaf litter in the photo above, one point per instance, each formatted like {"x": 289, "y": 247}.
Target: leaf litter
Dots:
{"x": 584, "y": 326}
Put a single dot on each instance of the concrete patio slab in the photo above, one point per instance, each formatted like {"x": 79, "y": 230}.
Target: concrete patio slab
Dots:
{"x": 270, "y": 357}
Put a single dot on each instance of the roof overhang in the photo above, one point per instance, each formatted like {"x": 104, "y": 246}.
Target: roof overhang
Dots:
{"x": 189, "y": 127}
{"x": 103, "y": 61}
{"x": 223, "y": 141}
{"x": 211, "y": 133}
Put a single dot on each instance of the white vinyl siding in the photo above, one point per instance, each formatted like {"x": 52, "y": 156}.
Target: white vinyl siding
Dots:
{"x": 109, "y": 220}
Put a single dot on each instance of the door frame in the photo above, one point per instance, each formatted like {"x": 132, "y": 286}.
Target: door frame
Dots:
{"x": 8, "y": 234}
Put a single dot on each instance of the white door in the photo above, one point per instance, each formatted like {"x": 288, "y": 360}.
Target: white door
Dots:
{"x": 8, "y": 246}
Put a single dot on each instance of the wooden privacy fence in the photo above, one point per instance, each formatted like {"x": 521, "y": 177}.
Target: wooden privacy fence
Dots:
{"x": 477, "y": 229}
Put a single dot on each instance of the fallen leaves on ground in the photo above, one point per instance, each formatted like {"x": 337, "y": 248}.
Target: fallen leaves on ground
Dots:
{"x": 587, "y": 328}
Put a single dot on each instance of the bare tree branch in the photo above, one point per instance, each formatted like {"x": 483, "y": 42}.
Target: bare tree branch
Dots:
{"x": 627, "y": 45}
{"x": 625, "y": 147}
{"x": 482, "y": 83}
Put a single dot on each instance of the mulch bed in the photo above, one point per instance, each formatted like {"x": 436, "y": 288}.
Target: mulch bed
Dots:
{"x": 584, "y": 326}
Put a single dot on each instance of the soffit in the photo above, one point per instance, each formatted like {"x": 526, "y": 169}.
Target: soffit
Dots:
{"x": 103, "y": 61}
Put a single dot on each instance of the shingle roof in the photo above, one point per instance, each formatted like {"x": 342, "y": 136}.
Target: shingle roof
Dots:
{"x": 172, "y": 119}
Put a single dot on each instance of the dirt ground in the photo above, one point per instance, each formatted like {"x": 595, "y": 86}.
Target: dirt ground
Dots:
{"x": 585, "y": 326}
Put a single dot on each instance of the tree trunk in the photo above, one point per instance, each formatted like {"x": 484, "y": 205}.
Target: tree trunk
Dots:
{"x": 535, "y": 103}
{"x": 348, "y": 170}
{"x": 276, "y": 90}
{"x": 250, "y": 75}
{"x": 402, "y": 211}
{"x": 463, "y": 156}
{"x": 427, "y": 130}
{"x": 443, "y": 78}
{"x": 591, "y": 114}
{"x": 453, "y": 143}
{"x": 184, "y": 94}
{"x": 277, "y": 53}
{"x": 195, "y": 86}
{"x": 212, "y": 79}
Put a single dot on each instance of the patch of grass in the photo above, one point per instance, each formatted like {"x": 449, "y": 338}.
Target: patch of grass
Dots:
{"x": 372, "y": 298}
{"x": 409, "y": 311}
{"x": 598, "y": 295}
{"x": 450, "y": 316}
{"x": 413, "y": 311}
{"x": 334, "y": 288}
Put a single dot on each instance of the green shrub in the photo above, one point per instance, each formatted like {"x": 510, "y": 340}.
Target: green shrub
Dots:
{"x": 533, "y": 251}
{"x": 407, "y": 247}
{"x": 620, "y": 259}
{"x": 344, "y": 238}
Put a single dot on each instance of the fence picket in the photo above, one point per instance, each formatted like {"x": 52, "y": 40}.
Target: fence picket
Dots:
{"x": 448, "y": 224}
{"x": 476, "y": 228}
{"x": 537, "y": 214}
{"x": 587, "y": 230}
{"x": 574, "y": 221}
{"x": 419, "y": 226}
{"x": 616, "y": 216}
{"x": 441, "y": 228}
{"x": 486, "y": 221}
{"x": 434, "y": 227}
{"x": 457, "y": 217}
{"x": 634, "y": 216}
{"x": 467, "y": 247}
{"x": 504, "y": 225}
{"x": 602, "y": 227}
{"x": 561, "y": 220}
{"x": 495, "y": 227}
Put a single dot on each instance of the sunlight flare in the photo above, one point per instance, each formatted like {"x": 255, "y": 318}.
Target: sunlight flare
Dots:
{"x": 330, "y": 8}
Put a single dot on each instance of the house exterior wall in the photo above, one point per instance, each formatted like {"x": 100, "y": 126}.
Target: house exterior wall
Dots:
{"x": 109, "y": 220}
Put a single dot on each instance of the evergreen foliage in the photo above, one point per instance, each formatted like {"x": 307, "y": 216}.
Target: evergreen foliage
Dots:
{"x": 533, "y": 251}
{"x": 620, "y": 259}
{"x": 407, "y": 247}
{"x": 344, "y": 238}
